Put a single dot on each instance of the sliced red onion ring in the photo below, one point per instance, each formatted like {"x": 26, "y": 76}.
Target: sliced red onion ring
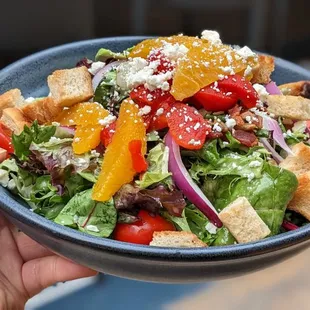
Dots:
{"x": 269, "y": 148}
{"x": 186, "y": 184}
{"x": 289, "y": 226}
{"x": 277, "y": 134}
{"x": 273, "y": 89}
{"x": 101, "y": 73}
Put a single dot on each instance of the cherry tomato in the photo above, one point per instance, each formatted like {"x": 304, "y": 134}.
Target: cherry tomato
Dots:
{"x": 165, "y": 64}
{"x": 141, "y": 232}
{"x": 107, "y": 133}
{"x": 187, "y": 127}
{"x": 158, "y": 119}
{"x": 5, "y": 140}
{"x": 138, "y": 161}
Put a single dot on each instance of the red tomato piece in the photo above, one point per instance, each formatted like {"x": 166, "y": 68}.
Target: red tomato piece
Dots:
{"x": 188, "y": 128}
{"x": 141, "y": 232}
{"x": 138, "y": 161}
{"x": 107, "y": 133}
{"x": 212, "y": 99}
{"x": 5, "y": 140}
{"x": 165, "y": 64}
{"x": 241, "y": 88}
{"x": 159, "y": 117}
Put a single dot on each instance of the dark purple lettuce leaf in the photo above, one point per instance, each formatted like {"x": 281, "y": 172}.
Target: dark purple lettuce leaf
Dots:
{"x": 84, "y": 62}
{"x": 153, "y": 200}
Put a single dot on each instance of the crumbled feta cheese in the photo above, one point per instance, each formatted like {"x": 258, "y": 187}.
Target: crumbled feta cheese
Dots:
{"x": 107, "y": 120}
{"x": 77, "y": 139}
{"x": 262, "y": 92}
{"x": 159, "y": 112}
{"x": 174, "y": 51}
{"x": 250, "y": 176}
{"x": 248, "y": 71}
{"x": 248, "y": 118}
{"x": 255, "y": 163}
{"x": 92, "y": 228}
{"x": 145, "y": 110}
{"x": 245, "y": 52}
{"x": 228, "y": 70}
{"x": 30, "y": 99}
{"x": 212, "y": 36}
{"x": 230, "y": 123}
{"x": 197, "y": 125}
{"x": 54, "y": 140}
{"x": 194, "y": 142}
{"x": 217, "y": 127}
{"x": 212, "y": 229}
{"x": 234, "y": 165}
{"x": 96, "y": 66}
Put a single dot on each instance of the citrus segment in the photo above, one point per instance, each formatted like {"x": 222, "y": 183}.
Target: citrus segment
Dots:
{"x": 117, "y": 166}
{"x": 86, "y": 138}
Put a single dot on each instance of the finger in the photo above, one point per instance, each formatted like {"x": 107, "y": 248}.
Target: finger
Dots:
{"x": 40, "y": 273}
{"x": 30, "y": 249}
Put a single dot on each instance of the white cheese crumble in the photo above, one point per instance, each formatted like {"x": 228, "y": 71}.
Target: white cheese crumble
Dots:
{"x": 255, "y": 163}
{"x": 217, "y": 127}
{"x": 194, "y": 142}
{"x": 230, "y": 123}
{"x": 107, "y": 120}
{"x": 174, "y": 51}
{"x": 212, "y": 36}
{"x": 159, "y": 112}
{"x": 262, "y": 92}
{"x": 248, "y": 71}
{"x": 145, "y": 110}
{"x": 212, "y": 229}
{"x": 96, "y": 66}
{"x": 30, "y": 99}
{"x": 245, "y": 52}
{"x": 92, "y": 228}
{"x": 54, "y": 140}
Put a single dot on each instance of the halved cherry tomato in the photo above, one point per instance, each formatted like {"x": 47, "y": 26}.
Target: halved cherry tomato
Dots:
{"x": 138, "y": 161}
{"x": 159, "y": 117}
{"x": 141, "y": 232}
{"x": 107, "y": 133}
{"x": 187, "y": 127}
{"x": 5, "y": 140}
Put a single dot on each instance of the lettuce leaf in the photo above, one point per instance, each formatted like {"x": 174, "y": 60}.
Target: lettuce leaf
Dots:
{"x": 92, "y": 217}
{"x": 157, "y": 171}
{"x": 36, "y": 134}
{"x": 104, "y": 54}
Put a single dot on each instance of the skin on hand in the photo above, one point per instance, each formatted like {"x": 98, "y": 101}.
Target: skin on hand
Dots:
{"x": 26, "y": 267}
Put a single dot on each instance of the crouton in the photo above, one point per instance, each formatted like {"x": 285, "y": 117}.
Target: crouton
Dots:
{"x": 292, "y": 107}
{"x": 264, "y": 69}
{"x": 70, "y": 86}
{"x": 301, "y": 200}
{"x": 176, "y": 239}
{"x": 44, "y": 110}
{"x": 298, "y": 163}
{"x": 10, "y": 99}
{"x": 301, "y": 88}
{"x": 243, "y": 222}
{"x": 14, "y": 119}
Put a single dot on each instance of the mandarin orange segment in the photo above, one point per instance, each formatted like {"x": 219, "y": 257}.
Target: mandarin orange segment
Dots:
{"x": 86, "y": 113}
{"x": 204, "y": 65}
{"x": 117, "y": 167}
{"x": 86, "y": 138}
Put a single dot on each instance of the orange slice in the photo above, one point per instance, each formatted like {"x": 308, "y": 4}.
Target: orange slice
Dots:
{"x": 117, "y": 167}
{"x": 86, "y": 138}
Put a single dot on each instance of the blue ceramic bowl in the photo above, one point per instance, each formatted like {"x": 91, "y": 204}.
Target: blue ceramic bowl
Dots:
{"x": 125, "y": 259}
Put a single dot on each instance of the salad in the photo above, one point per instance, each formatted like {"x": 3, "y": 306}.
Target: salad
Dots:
{"x": 178, "y": 141}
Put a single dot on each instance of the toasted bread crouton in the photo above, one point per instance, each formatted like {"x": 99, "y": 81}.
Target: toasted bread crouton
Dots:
{"x": 44, "y": 110}
{"x": 10, "y": 99}
{"x": 298, "y": 163}
{"x": 14, "y": 119}
{"x": 243, "y": 222}
{"x": 292, "y": 107}
{"x": 70, "y": 86}
{"x": 264, "y": 69}
{"x": 301, "y": 200}
{"x": 301, "y": 88}
{"x": 176, "y": 239}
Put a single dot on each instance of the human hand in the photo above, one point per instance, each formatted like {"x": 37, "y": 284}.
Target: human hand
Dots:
{"x": 26, "y": 267}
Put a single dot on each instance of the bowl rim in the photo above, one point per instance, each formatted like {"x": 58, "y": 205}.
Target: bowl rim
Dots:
{"x": 18, "y": 211}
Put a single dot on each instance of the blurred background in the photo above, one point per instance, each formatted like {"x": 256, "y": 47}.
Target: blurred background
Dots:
{"x": 279, "y": 27}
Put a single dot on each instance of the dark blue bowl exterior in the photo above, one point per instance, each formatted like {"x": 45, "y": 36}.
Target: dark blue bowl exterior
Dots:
{"x": 123, "y": 259}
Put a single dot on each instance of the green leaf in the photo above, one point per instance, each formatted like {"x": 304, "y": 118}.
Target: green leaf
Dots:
{"x": 180, "y": 222}
{"x": 158, "y": 167}
{"x": 36, "y": 134}
{"x": 87, "y": 215}
{"x": 104, "y": 54}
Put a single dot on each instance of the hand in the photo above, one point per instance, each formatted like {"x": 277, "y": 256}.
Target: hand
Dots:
{"x": 26, "y": 267}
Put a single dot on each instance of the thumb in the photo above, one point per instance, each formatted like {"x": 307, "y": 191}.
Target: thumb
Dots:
{"x": 40, "y": 273}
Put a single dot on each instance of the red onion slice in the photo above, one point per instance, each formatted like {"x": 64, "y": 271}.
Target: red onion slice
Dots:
{"x": 101, "y": 73}
{"x": 273, "y": 89}
{"x": 269, "y": 148}
{"x": 186, "y": 184}
{"x": 289, "y": 226}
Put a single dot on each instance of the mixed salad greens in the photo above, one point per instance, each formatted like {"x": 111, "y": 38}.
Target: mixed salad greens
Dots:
{"x": 177, "y": 130}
